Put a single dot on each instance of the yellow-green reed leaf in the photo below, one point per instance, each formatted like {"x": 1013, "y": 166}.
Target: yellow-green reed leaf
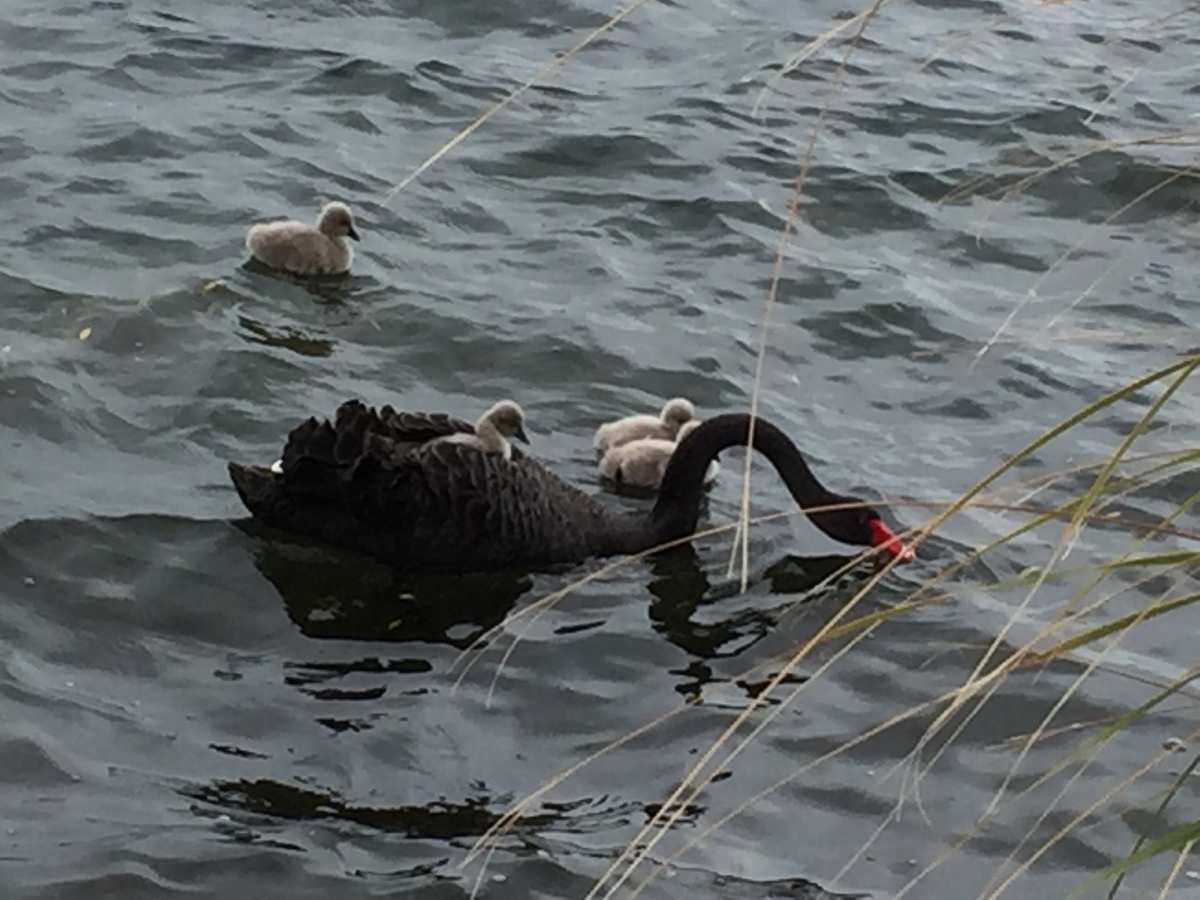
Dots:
{"x": 1147, "y": 417}
{"x": 1162, "y": 808}
{"x": 1188, "y": 363}
{"x": 1094, "y": 634}
{"x": 1125, "y": 719}
{"x": 1175, "y": 839}
{"x": 1170, "y": 558}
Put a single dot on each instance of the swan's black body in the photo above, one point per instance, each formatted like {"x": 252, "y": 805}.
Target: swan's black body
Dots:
{"x": 373, "y": 482}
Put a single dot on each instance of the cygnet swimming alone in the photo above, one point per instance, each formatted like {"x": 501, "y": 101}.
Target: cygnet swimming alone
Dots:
{"x": 503, "y": 420}
{"x": 643, "y": 462}
{"x": 665, "y": 426}
{"x": 304, "y": 249}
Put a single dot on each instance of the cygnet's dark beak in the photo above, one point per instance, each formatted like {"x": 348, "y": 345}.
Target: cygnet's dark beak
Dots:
{"x": 520, "y": 435}
{"x": 350, "y": 232}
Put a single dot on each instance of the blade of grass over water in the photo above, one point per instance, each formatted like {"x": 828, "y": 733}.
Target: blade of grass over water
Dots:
{"x": 1120, "y": 868}
{"x": 1032, "y": 293}
{"x": 971, "y": 688}
{"x": 645, "y": 841}
{"x": 557, "y": 62}
{"x": 1115, "y": 791}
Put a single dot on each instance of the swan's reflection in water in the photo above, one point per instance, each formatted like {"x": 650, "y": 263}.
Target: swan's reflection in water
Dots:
{"x": 441, "y": 819}
{"x": 334, "y": 594}
{"x": 681, "y": 587}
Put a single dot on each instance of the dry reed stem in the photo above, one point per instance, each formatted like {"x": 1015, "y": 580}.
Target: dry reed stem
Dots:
{"x": 806, "y": 52}
{"x": 1070, "y": 826}
{"x": 1175, "y": 869}
{"x": 793, "y": 210}
{"x": 1060, "y": 766}
{"x": 673, "y": 802}
{"x": 1066, "y": 695}
{"x": 537, "y": 607}
{"x": 974, "y": 682}
{"x": 1016, "y": 188}
{"x": 506, "y": 822}
{"x": 557, "y": 62}
{"x": 1045, "y": 777}
{"x": 514, "y": 813}
{"x": 1013, "y": 742}
{"x": 891, "y": 722}
{"x": 1032, "y": 293}
{"x": 1162, "y": 808}
{"x": 962, "y": 501}
{"x": 502, "y": 825}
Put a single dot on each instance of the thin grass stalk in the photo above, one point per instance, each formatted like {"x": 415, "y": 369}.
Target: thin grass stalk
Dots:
{"x": 962, "y": 501}
{"x": 537, "y": 607}
{"x": 806, "y": 52}
{"x": 1046, "y": 720}
{"x": 1012, "y": 742}
{"x": 613, "y": 745}
{"x": 557, "y": 62}
{"x": 1128, "y": 623}
{"x": 1174, "y": 838}
{"x": 1065, "y": 255}
{"x": 974, "y": 683}
{"x": 789, "y": 225}
{"x": 838, "y": 632}
{"x": 514, "y": 812}
{"x": 1121, "y": 786}
{"x": 793, "y": 775}
{"x": 552, "y": 598}
{"x": 1016, "y": 188}
{"x": 563, "y": 775}
{"x": 1046, "y": 437}
{"x": 673, "y": 802}
{"x": 1162, "y": 808}
{"x": 1018, "y": 660}
{"x": 1174, "y": 873}
{"x": 1084, "y": 755}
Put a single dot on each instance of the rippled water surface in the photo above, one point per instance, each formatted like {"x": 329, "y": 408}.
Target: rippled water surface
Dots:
{"x": 193, "y": 707}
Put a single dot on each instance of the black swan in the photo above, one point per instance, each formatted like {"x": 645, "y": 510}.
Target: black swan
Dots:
{"x": 382, "y": 483}
{"x": 665, "y": 425}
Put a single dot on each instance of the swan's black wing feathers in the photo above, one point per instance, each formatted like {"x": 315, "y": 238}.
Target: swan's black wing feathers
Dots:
{"x": 374, "y": 482}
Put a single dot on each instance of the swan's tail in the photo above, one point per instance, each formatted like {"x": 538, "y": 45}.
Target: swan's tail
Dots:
{"x": 257, "y": 487}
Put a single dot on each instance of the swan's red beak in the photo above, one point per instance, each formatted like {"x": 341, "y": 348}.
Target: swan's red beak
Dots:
{"x": 882, "y": 536}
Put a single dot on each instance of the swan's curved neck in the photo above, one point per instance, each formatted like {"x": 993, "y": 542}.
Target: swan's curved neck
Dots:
{"x": 677, "y": 510}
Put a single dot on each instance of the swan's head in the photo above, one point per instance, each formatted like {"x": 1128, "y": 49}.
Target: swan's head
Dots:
{"x": 678, "y": 411}
{"x": 863, "y": 526}
{"x": 509, "y": 419}
{"x": 336, "y": 220}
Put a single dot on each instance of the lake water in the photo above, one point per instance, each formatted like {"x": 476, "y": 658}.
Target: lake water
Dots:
{"x": 190, "y": 707}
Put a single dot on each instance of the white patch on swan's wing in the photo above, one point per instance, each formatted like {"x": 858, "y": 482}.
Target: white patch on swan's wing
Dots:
{"x": 277, "y": 467}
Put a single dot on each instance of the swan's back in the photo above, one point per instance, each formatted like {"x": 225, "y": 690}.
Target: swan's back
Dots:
{"x": 299, "y": 248}
{"x": 382, "y": 483}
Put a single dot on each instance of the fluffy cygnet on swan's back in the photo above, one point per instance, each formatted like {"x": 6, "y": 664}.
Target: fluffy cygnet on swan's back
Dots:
{"x": 643, "y": 462}
{"x": 304, "y": 249}
{"x": 665, "y": 426}
{"x": 503, "y": 420}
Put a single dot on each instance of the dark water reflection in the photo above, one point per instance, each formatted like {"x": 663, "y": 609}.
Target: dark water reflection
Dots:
{"x": 330, "y": 594}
